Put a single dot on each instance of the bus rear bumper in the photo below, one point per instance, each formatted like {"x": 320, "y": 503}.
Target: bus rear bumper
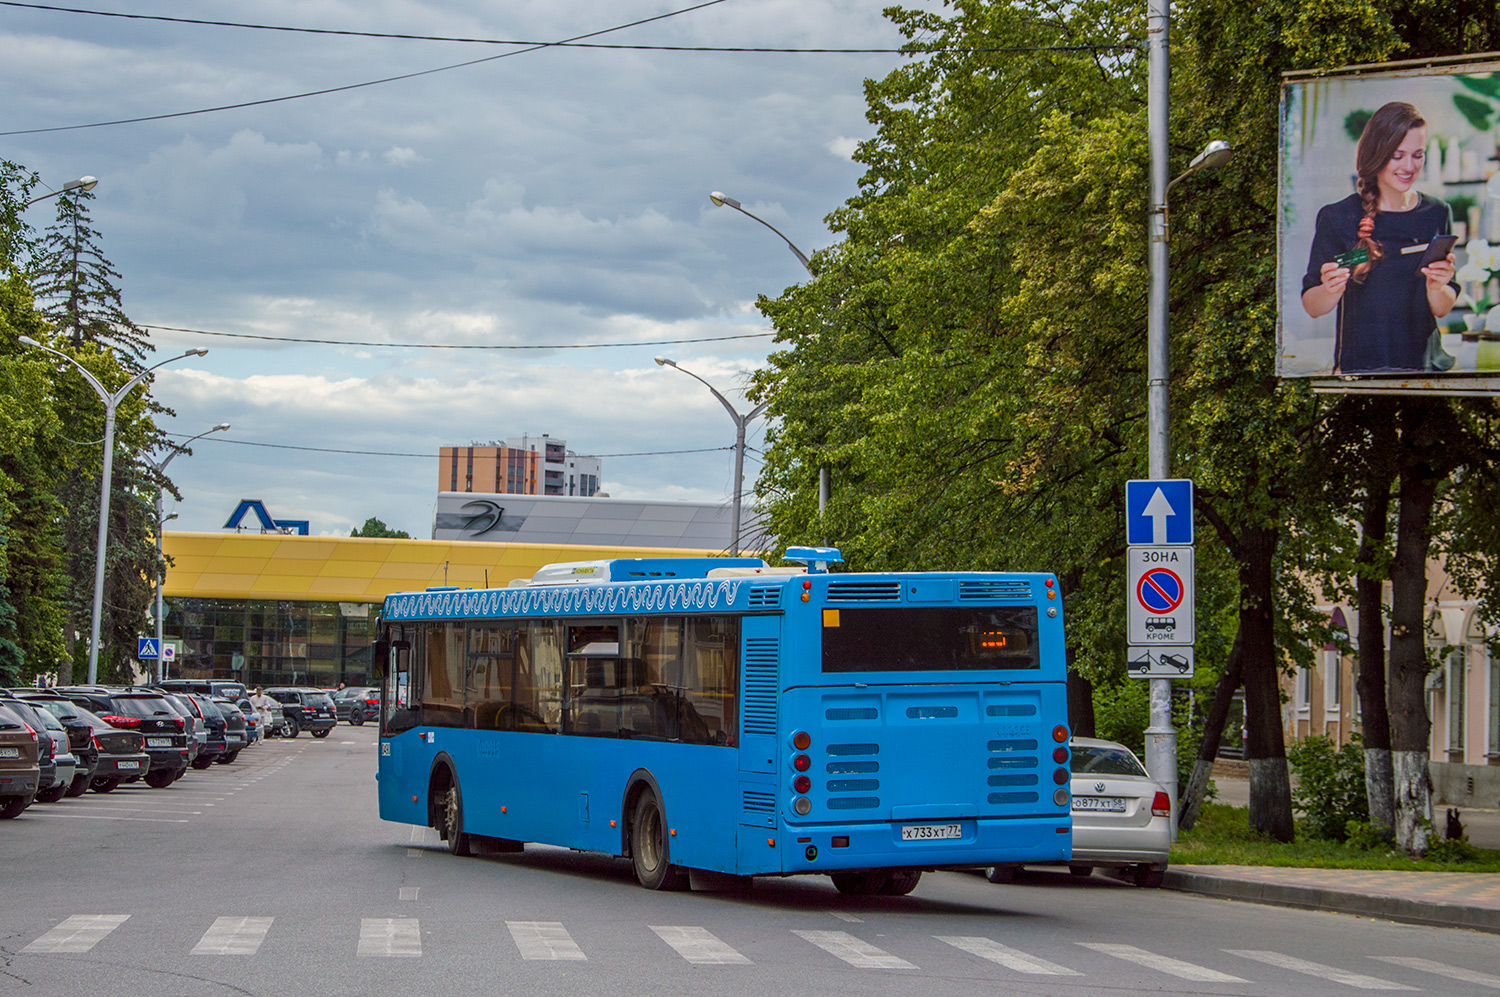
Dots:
{"x": 980, "y": 842}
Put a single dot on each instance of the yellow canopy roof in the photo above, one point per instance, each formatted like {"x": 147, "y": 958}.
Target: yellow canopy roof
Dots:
{"x": 358, "y": 569}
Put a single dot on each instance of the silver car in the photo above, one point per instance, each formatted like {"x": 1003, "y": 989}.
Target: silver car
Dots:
{"x": 1122, "y": 818}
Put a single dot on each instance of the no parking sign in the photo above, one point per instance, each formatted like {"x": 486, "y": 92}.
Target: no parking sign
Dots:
{"x": 1160, "y": 595}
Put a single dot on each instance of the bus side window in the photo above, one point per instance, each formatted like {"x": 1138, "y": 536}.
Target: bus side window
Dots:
{"x": 442, "y": 675}
{"x": 491, "y": 675}
{"x": 710, "y": 680}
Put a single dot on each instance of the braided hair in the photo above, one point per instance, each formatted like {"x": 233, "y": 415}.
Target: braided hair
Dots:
{"x": 1383, "y": 135}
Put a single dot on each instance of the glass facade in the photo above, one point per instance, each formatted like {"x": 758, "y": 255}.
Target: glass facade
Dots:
{"x": 273, "y": 642}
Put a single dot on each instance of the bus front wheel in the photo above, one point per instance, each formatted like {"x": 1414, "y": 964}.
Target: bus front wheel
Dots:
{"x": 650, "y": 851}
{"x": 451, "y": 813}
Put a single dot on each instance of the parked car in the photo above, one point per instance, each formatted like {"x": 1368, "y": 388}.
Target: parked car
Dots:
{"x": 48, "y": 777}
{"x": 304, "y": 709}
{"x": 64, "y": 762}
{"x": 20, "y": 775}
{"x": 147, "y": 714}
{"x": 357, "y": 704}
{"x": 1122, "y": 818}
{"x": 107, "y": 755}
{"x": 197, "y": 731}
{"x": 253, "y": 732}
{"x": 206, "y": 687}
{"x": 212, "y": 723}
{"x": 236, "y": 729}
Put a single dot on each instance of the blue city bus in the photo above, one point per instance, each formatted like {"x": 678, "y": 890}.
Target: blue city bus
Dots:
{"x": 717, "y": 714}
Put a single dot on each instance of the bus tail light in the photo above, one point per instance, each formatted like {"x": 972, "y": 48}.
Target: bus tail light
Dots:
{"x": 1061, "y": 776}
{"x": 1059, "y": 754}
{"x": 802, "y": 784}
{"x": 1060, "y": 734}
{"x": 1161, "y": 806}
{"x": 802, "y": 805}
{"x": 1060, "y": 797}
{"x": 801, "y": 763}
{"x": 801, "y": 740}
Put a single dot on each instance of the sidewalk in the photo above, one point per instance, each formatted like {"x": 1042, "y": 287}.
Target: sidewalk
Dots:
{"x": 1440, "y": 899}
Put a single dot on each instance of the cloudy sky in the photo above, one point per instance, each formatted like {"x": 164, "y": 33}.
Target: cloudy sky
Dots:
{"x": 551, "y": 198}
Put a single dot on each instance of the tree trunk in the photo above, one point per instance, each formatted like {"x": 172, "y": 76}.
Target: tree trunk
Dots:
{"x": 1423, "y": 432}
{"x": 1270, "y": 784}
{"x": 1080, "y": 704}
{"x": 1213, "y": 733}
{"x": 1375, "y": 723}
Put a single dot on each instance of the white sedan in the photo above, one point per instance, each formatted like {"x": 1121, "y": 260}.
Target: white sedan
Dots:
{"x": 1122, "y": 818}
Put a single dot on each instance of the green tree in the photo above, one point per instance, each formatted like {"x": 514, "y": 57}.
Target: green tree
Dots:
{"x": 376, "y": 528}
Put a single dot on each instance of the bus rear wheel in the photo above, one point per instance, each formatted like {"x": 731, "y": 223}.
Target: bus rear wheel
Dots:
{"x": 650, "y": 852}
{"x": 901, "y": 882}
{"x": 860, "y": 884}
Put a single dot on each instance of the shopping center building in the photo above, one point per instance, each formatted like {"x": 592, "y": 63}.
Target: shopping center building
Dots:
{"x": 279, "y": 609}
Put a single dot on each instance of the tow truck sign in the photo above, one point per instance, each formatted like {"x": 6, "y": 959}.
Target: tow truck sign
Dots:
{"x": 1159, "y": 599}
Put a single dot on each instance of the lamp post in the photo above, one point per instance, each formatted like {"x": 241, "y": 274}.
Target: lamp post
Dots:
{"x": 161, "y": 521}
{"x": 740, "y": 422}
{"x": 1161, "y": 737}
{"x": 723, "y": 200}
{"x": 111, "y": 402}
{"x": 82, "y": 183}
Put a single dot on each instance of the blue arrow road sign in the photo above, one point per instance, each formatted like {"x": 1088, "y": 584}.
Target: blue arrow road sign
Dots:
{"x": 146, "y": 649}
{"x": 1159, "y": 512}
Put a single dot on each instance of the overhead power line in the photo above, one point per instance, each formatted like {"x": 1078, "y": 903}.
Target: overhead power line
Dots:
{"x": 457, "y": 346}
{"x": 367, "y": 83}
{"x": 401, "y": 36}
{"x": 428, "y": 456}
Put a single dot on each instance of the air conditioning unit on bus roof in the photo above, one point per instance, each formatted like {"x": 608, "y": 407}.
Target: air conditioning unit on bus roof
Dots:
{"x": 637, "y": 569}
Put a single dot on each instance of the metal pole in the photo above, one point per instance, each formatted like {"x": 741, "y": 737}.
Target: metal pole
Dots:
{"x": 99, "y": 558}
{"x": 1161, "y": 738}
{"x": 825, "y": 486}
{"x": 739, "y": 482}
{"x": 161, "y": 669}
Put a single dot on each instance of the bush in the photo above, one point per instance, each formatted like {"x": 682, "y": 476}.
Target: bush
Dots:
{"x": 1330, "y": 789}
{"x": 1122, "y": 712}
{"x": 1362, "y": 835}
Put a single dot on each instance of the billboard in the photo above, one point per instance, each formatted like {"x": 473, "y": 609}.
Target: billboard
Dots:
{"x": 1389, "y": 239}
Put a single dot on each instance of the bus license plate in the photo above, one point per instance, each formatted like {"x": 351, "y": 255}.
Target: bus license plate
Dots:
{"x": 158, "y": 742}
{"x": 127, "y": 765}
{"x": 929, "y": 832}
{"x": 1108, "y": 804}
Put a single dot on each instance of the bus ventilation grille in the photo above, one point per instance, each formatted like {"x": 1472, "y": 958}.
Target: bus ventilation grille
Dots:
{"x": 990, "y": 591}
{"x": 759, "y": 803}
{"x": 762, "y": 658}
{"x": 765, "y": 596}
{"x": 864, "y": 591}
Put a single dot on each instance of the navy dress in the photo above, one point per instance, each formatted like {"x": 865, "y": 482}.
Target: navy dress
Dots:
{"x": 1384, "y": 323}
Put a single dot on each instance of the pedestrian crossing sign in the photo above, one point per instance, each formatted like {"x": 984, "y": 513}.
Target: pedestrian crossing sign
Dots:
{"x": 147, "y": 649}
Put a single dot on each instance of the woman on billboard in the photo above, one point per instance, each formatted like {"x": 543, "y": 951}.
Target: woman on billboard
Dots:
{"x": 1382, "y": 256}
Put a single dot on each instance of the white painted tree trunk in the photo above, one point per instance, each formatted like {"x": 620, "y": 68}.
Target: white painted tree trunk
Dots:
{"x": 1378, "y": 782}
{"x": 1413, "y": 800}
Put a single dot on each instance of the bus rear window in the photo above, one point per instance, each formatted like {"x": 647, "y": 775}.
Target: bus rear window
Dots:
{"x": 929, "y": 639}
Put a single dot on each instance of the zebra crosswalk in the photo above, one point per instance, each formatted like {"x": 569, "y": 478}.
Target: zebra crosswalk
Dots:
{"x": 551, "y": 941}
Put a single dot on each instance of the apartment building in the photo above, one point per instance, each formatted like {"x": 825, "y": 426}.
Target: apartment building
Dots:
{"x": 525, "y": 465}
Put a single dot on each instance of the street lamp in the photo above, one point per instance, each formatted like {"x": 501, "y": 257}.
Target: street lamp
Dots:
{"x": 111, "y": 401}
{"x": 1161, "y": 738}
{"x": 722, "y": 199}
{"x": 82, "y": 183}
{"x": 740, "y": 422}
{"x": 161, "y": 522}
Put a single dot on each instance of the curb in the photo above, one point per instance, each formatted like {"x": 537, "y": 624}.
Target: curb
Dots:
{"x": 1390, "y": 908}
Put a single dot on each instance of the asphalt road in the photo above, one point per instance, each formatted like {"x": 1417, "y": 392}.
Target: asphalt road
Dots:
{"x": 275, "y": 876}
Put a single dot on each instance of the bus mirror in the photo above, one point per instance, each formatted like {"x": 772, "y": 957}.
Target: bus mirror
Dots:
{"x": 382, "y": 655}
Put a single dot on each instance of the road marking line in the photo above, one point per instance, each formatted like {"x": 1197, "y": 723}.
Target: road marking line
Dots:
{"x": 148, "y": 820}
{"x": 1164, "y": 964}
{"x": 544, "y": 940}
{"x": 407, "y": 892}
{"x": 414, "y": 853}
{"x": 233, "y": 936}
{"x": 847, "y": 917}
{"x": 1317, "y": 969}
{"x": 78, "y": 933}
{"x": 699, "y": 946}
{"x": 1006, "y": 956}
{"x": 859, "y": 954}
{"x": 390, "y": 936}
{"x": 1442, "y": 969}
